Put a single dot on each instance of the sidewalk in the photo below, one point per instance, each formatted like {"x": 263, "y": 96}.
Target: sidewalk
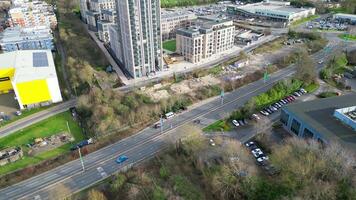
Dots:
{"x": 112, "y": 62}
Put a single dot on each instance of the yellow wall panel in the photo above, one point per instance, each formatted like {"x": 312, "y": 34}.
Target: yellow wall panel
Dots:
{"x": 5, "y": 79}
{"x": 33, "y": 92}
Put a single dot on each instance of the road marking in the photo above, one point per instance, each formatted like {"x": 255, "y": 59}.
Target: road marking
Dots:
{"x": 102, "y": 172}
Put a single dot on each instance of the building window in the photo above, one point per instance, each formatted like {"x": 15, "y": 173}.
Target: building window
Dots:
{"x": 284, "y": 117}
{"x": 308, "y": 134}
{"x": 295, "y": 126}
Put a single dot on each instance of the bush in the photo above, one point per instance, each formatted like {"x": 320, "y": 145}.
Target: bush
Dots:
{"x": 185, "y": 188}
{"x": 164, "y": 172}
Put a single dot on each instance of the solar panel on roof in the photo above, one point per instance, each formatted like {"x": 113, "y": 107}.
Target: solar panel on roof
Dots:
{"x": 40, "y": 59}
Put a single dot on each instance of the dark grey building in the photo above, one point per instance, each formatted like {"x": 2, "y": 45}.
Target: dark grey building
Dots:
{"x": 325, "y": 120}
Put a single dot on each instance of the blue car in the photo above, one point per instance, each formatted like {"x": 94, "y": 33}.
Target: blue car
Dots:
{"x": 121, "y": 159}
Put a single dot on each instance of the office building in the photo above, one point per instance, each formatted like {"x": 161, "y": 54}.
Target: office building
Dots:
{"x": 205, "y": 39}
{"x": 275, "y": 10}
{"x": 345, "y": 18}
{"x": 31, "y": 74}
{"x": 138, "y": 44}
{"x": 173, "y": 20}
{"x": 32, "y": 14}
{"x": 326, "y": 120}
{"x": 16, "y": 38}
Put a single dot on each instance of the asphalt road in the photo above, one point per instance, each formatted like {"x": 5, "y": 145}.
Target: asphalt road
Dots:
{"x": 69, "y": 178}
{"x": 27, "y": 121}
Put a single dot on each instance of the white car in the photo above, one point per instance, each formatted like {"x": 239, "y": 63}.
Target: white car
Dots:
{"x": 18, "y": 113}
{"x": 261, "y": 159}
{"x": 257, "y": 152}
{"x": 235, "y": 123}
{"x": 256, "y": 117}
{"x": 320, "y": 62}
{"x": 212, "y": 143}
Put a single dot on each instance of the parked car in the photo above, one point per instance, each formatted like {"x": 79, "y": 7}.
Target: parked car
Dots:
{"x": 272, "y": 108}
{"x": 235, "y": 123}
{"x": 245, "y": 121}
{"x": 82, "y": 144}
{"x": 264, "y": 113}
{"x": 18, "y": 113}
{"x": 257, "y": 152}
{"x": 212, "y": 143}
{"x": 251, "y": 145}
{"x": 255, "y": 116}
{"x": 241, "y": 123}
{"x": 121, "y": 159}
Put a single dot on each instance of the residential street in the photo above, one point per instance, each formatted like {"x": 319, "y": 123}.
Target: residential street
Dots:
{"x": 69, "y": 178}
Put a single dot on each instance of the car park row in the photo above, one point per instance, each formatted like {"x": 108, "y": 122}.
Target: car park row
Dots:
{"x": 271, "y": 108}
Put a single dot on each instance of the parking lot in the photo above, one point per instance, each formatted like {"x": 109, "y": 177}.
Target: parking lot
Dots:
{"x": 8, "y": 105}
{"x": 328, "y": 24}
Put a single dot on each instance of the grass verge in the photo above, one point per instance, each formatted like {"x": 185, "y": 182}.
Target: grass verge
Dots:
{"x": 347, "y": 37}
{"x": 220, "y": 125}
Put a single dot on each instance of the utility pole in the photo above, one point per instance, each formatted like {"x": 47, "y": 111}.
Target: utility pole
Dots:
{"x": 222, "y": 94}
{"x": 68, "y": 128}
{"x": 161, "y": 122}
{"x": 81, "y": 159}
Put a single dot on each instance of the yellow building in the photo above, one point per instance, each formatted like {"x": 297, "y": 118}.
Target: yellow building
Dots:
{"x": 31, "y": 75}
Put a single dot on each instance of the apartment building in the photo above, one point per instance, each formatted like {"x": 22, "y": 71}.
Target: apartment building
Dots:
{"x": 171, "y": 21}
{"x": 137, "y": 45}
{"x": 103, "y": 30}
{"x": 84, "y": 7}
{"x": 95, "y": 11}
{"x": 31, "y": 14}
{"x": 17, "y": 38}
{"x": 206, "y": 38}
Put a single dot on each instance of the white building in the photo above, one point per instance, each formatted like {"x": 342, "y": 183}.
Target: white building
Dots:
{"x": 139, "y": 36}
{"x": 173, "y": 20}
{"x": 31, "y": 74}
{"x": 345, "y": 17}
{"x": 205, "y": 39}
{"x": 277, "y": 10}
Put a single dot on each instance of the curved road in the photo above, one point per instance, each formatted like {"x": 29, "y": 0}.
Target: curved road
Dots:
{"x": 69, "y": 178}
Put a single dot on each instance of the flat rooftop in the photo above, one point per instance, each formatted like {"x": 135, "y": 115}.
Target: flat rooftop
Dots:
{"x": 13, "y": 34}
{"x": 272, "y": 6}
{"x": 29, "y": 64}
{"x": 318, "y": 114}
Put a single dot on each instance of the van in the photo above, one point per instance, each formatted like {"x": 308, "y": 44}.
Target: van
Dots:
{"x": 169, "y": 115}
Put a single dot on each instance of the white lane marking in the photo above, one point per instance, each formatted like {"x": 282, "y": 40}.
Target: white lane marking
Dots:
{"x": 102, "y": 172}
{"x": 37, "y": 197}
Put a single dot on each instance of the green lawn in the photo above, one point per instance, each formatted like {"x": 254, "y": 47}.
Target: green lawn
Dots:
{"x": 45, "y": 128}
{"x": 220, "y": 125}
{"x": 311, "y": 87}
{"x": 303, "y": 20}
{"x": 347, "y": 37}
{"x": 170, "y": 45}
